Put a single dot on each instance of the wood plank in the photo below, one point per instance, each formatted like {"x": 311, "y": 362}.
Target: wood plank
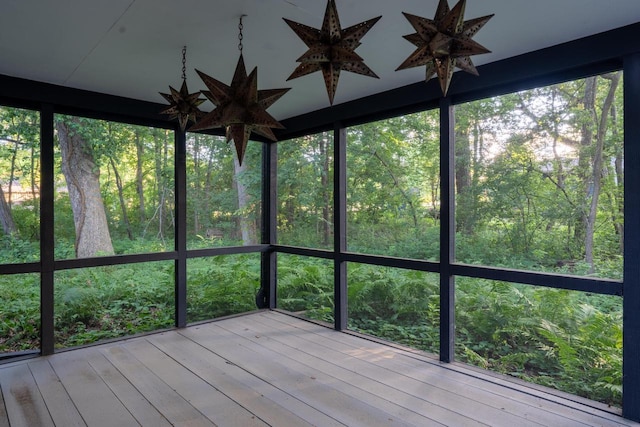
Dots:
{"x": 484, "y": 383}
{"x": 407, "y": 373}
{"x": 274, "y": 406}
{"x": 400, "y": 389}
{"x": 4, "y": 418}
{"x": 269, "y": 368}
{"x": 24, "y": 403}
{"x": 59, "y": 403}
{"x": 143, "y": 411}
{"x": 174, "y": 407}
{"x": 95, "y": 401}
{"x": 344, "y": 402}
{"x": 573, "y": 406}
{"x": 205, "y": 397}
{"x": 464, "y": 381}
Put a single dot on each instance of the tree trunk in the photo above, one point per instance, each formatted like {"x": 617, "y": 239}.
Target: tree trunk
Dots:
{"x": 35, "y": 193}
{"x": 324, "y": 181}
{"x": 398, "y": 185}
{"x": 208, "y": 184}
{"x": 585, "y": 158}
{"x": 8, "y": 225}
{"x": 167, "y": 183}
{"x": 83, "y": 183}
{"x": 618, "y": 205}
{"x": 160, "y": 190}
{"x": 464, "y": 196}
{"x": 597, "y": 168}
{"x": 123, "y": 205}
{"x": 247, "y": 227}
{"x": 139, "y": 179}
{"x": 12, "y": 176}
{"x": 463, "y": 161}
{"x": 197, "y": 184}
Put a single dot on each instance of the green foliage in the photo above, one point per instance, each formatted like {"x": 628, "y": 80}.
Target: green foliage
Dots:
{"x": 27, "y": 221}
{"x": 106, "y": 302}
{"x": 527, "y": 188}
{"x": 393, "y": 186}
{"x": 592, "y": 351}
{"x": 214, "y": 213}
{"x": 524, "y": 181}
{"x": 16, "y": 250}
{"x": 563, "y": 339}
{"x": 401, "y": 306}
{"x": 221, "y": 286}
{"x": 306, "y": 286}
{"x": 20, "y": 312}
{"x": 305, "y": 187}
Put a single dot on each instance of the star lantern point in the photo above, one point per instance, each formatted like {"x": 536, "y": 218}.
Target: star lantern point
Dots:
{"x": 331, "y": 49}
{"x": 240, "y": 107}
{"x": 444, "y": 43}
{"x": 183, "y": 105}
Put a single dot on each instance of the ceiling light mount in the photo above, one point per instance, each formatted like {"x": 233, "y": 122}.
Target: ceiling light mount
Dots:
{"x": 240, "y": 35}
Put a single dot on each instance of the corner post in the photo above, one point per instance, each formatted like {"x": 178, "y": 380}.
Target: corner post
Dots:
{"x": 180, "y": 166}
{"x": 631, "y": 284}
{"x": 47, "y": 238}
{"x": 267, "y": 295}
{"x": 340, "y": 226}
{"x": 447, "y": 230}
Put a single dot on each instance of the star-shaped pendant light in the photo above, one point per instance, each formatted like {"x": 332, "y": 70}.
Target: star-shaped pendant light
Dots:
{"x": 183, "y": 105}
{"x": 444, "y": 42}
{"x": 241, "y": 107}
{"x": 331, "y": 49}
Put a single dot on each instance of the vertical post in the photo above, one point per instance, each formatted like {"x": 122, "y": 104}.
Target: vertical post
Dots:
{"x": 180, "y": 172}
{"x": 447, "y": 231}
{"x": 340, "y": 226}
{"x": 47, "y": 238}
{"x": 267, "y": 295}
{"x": 631, "y": 285}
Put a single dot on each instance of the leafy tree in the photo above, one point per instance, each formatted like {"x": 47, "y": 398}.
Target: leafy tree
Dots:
{"x": 305, "y": 190}
{"x": 82, "y": 175}
{"x": 393, "y": 198}
{"x": 19, "y": 151}
{"x": 536, "y": 166}
{"x": 223, "y": 197}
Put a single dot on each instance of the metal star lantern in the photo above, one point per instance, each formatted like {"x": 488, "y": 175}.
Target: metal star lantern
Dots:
{"x": 331, "y": 49}
{"x": 445, "y": 42}
{"x": 240, "y": 108}
{"x": 183, "y": 105}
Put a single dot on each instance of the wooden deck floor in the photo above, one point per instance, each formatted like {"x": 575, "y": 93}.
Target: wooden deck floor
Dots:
{"x": 268, "y": 368}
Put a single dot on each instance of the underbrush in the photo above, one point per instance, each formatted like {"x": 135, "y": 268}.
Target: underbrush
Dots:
{"x": 568, "y": 340}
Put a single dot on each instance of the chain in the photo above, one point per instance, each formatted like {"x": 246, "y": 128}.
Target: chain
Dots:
{"x": 240, "y": 36}
{"x": 184, "y": 63}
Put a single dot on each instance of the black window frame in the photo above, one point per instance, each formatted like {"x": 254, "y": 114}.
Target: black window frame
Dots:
{"x": 617, "y": 49}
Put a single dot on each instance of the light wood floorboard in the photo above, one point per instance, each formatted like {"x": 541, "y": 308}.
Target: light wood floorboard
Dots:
{"x": 492, "y": 391}
{"x": 4, "y": 419}
{"x": 271, "y": 369}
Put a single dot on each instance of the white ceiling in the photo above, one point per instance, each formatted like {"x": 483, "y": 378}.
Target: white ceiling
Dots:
{"x": 133, "y": 48}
